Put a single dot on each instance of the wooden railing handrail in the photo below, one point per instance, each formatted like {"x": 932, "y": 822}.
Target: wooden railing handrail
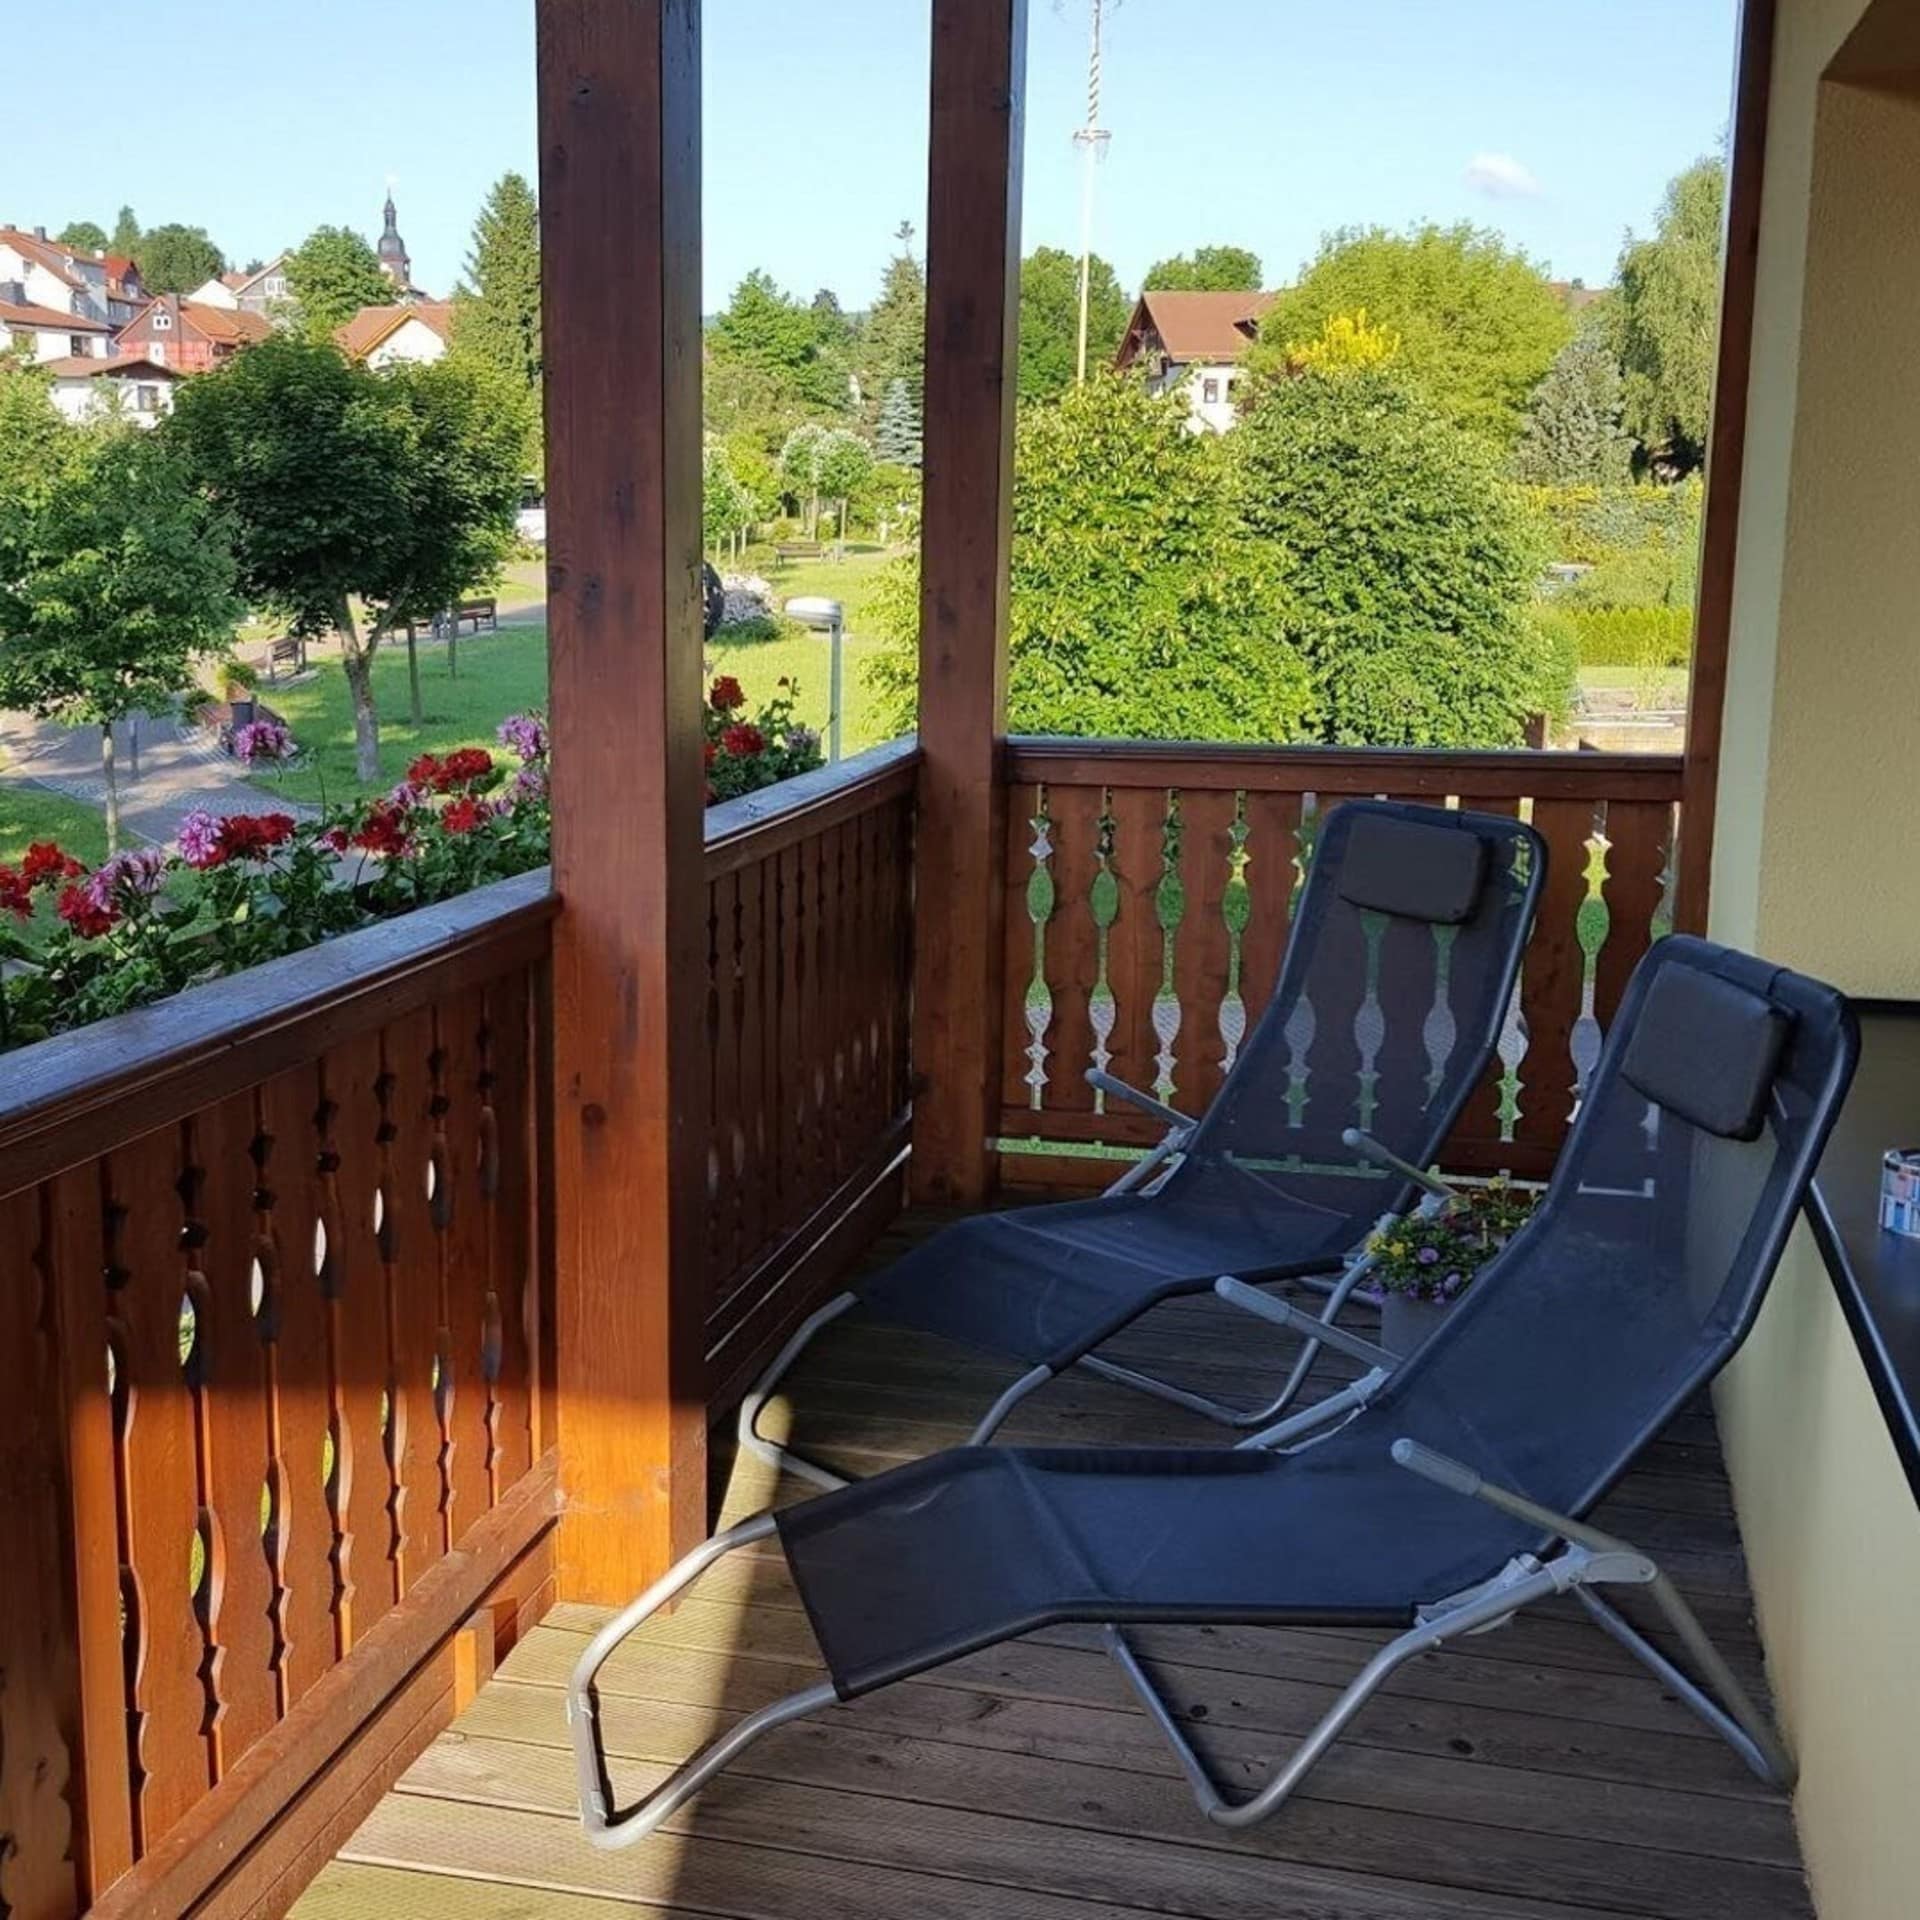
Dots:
{"x": 73, "y": 1096}
{"x": 1486, "y": 773}
{"x": 757, "y": 824}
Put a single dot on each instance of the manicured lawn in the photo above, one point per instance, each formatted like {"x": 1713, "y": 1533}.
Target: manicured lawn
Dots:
{"x": 29, "y": 813}
{"x": 850, "y": 581}
{"x": 1670, "y": 683}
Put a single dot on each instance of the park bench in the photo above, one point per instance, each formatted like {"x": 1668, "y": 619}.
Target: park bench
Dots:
{"x": 790, "y": 550}
{"x": 476, "y": 611}
{"x": 290, "y": 650}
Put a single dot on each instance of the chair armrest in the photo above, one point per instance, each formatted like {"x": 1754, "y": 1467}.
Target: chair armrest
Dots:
{"x": 1237, "y": 1293}
{"x": 1106, "y": 1083}
{"x": 1368, "y": 1148}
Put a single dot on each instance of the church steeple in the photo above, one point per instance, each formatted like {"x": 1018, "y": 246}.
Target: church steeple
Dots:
{"x": 393, "y": 250}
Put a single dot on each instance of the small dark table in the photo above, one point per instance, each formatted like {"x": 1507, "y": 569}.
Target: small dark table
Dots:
{"x": 1876, "y": 1274}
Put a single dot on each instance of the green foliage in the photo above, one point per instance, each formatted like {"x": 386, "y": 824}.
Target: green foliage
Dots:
{"x": 1137, "y": 607}
{"x": 799, "y": 350}
{"x": 1050, "y": 320}
{"x": 496, "y": 314}
{"x": 1642, "y": 543}
{"x": 1478, "y": 322}
{"x": 331, "y": 275}
{"x": 1410, "y": 559}
{"x": 1205, "y": 270}
{"x": 1666, "y": 318}
{"x": 35, "y": 442}
{"x": 726, "y": 506}
{"x": 126, "y": 235}
{"x": 1573, "y": 436}
{"x": 84, "y": 236}
{"x": 176, "y": 259}
{"x": 897, "y": 436}
{"x": 893, "y": 345}
{"x": 1627, "y": 636}
{"x": 115, "y": 579}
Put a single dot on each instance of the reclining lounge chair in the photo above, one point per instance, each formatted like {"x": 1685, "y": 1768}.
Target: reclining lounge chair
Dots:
{"x": 1398, "y": 973}
{"x": 1449, "y": 1495}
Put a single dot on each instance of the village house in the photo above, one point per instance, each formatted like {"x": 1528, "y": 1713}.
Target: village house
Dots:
{"x": 1198, "y": 339}
{"x": 262, "y": 291}
{"x": 90, "y": 387}
{"x": 189, "y": 334}
{"x": 94, "y": 286}
{"x": 384, "y": 336}
{"x": 47, "y": 333}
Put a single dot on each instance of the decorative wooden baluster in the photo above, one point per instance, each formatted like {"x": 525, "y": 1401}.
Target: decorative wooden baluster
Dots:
{"x": 486, "y": 1204}
{"x": 1169, "y": 909}
{"x": 1103, "y": 901}
{"x": 715, "y": 1248}
{"x": 792, "y": 1061}
{"x": 1552, "y": 983}
{"x": 169, "y": 1755}
{"x": 439, "y": 1195}
{"x": 39, "y": 1681}
{"x": 727, "y": 1141}
{"x": 1272, "y": 845}
{"x": 751, "y": 1105}
{"x": 1639, "y": 849}
{"x": 231, "y": 1363}
{"x": 511, "y": 1012}
{"x": 460, "y": 1225}
{"x": 1204, "y": 957}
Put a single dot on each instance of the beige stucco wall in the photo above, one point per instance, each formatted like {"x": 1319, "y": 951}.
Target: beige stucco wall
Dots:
{"x": 1814, "y": 865}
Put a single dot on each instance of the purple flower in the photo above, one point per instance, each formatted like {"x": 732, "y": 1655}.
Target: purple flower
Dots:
{"x": 1428, "y": 1256}
{"x": 529, "y": 786}
{"x": 1452, "y": 1285}
{"x": 405, "y": 797}
{"x": 803, "y": 740}
{"x": 525, "y": 734}
{"x": 262, "y": 740}
{"x": 136, "y": 875}
{"x": 199, "y": 839}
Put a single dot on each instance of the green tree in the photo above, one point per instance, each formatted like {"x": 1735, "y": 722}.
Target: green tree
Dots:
{"x": 1479, "y": 324}
{"x": 897, "y": 436}
{"x": 115, "y": 579}
{"x": 1573, "y": 436}
{"x": 894, "y": 344}
{"x": 397, "y": 489}
{"x": 84, "y": 236}
{"x": 800, "y": 471}
{"x": 842, "y": 465}
{"x": 1410, "y": 558}
{"x": 35, "y": 442}
{"x": 331, "y": 275}
{"x": 1050, "y": 319}
{"x": 1667, "y": 314}
{"x": 800, "y": 347}
{"x": 1138, "y": 607}
{"x": 496, "y": 314}
{"x": 1205, "y": 270}
{"x": 126, "y": 235}
{"x": 176, "y": 259}
{"x": 726, "y": 506}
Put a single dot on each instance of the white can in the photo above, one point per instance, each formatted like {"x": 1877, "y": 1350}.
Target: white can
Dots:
{"x": 1900, "y": 1191}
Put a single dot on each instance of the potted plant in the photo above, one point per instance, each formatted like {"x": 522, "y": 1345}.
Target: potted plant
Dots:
{"x": 1423, "y": 1262}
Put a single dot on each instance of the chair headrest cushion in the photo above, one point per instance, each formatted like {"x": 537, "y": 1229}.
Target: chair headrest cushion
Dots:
{"x": 1706, "y": 1050}
{"x": 1414, "y": 870}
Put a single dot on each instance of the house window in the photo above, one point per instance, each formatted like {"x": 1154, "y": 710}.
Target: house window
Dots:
{"x": 162, "y": 321}
{"x": 146, "y": 399}
{"x": 80, "y": 344}
{"x": 1210, "y": 392}
{"x": 157, "y": 353}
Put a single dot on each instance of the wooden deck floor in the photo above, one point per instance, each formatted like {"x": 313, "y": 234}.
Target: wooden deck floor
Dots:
{"x": 1540, "y": 1776}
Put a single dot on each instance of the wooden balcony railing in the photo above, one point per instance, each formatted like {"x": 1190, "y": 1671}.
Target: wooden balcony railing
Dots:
{"x": 810, "y": 972}
{"x": 1149, "y": 891}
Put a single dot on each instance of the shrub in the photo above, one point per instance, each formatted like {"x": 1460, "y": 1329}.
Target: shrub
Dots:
{"x": 1643, "y": 542}
{"x": 1409, "y": 558}
{"x": 1644, "y": 637}
{"x": 1138, "y": 606}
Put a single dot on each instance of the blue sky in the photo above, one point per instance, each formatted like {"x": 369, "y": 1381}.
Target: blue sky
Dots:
{"x": 1260, "y": 122}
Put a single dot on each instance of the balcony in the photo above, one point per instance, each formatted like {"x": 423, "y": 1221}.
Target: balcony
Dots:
{"x": 370, "y": 1323}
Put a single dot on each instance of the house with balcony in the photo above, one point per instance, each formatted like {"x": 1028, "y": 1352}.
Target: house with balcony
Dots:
{"x": 372, "y": 1323}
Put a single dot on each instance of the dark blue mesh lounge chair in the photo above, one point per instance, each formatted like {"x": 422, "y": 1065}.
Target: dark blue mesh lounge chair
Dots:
{"x": 1440, "y": 1496}
{"x": 1398, "y": 974}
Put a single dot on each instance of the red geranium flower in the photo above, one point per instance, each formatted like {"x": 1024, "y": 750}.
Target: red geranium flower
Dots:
{"x": 463, "y": 815}
{"x": 464, "y": 764}
{"x": 383, "y": 831}
{"x": 725, "y": 694}
{"x": 16, "y": 895}
{"x": 252, "y": 836}
{"x": 45, "y": 863}
{"x": 82, "y": 915}
{"x": 744, "y": 740}
{"x": 707, "y": 752}
{"x": 426, "y": 771}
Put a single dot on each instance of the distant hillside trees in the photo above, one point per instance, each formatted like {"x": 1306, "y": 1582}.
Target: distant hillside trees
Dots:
{"x": 331, "y": 275}
{"x": 1478, "y": 321}
{"x": 1205, "y": 270}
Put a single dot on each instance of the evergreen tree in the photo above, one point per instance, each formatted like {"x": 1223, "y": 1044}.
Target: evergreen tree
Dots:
{"x": 496, "y": 317}
{"x": 764, "y": 329}
{"x": 126, "y": 234}
{"x": 1573, "y": 436}
{"x": 897, "y": 437}
{"x": 896, "y": 335}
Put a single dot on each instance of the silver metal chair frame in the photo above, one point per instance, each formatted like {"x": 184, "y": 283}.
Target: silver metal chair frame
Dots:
{"x": 1584, "y": 1561}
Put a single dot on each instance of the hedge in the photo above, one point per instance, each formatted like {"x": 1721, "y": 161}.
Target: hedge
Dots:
{"x": 1631, "y": 636}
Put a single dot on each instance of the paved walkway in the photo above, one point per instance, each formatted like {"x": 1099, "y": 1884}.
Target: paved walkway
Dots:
{"x": 165, "y": 769}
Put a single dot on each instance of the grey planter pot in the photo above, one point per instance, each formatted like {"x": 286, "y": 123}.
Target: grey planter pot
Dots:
{"x": 1405, "y": 1322}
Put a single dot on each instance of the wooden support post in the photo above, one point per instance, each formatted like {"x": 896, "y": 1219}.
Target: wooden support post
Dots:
{"x": 1726, "y": 457}
{"x": 973, "y": 293}
{"x": 619, "y": 99}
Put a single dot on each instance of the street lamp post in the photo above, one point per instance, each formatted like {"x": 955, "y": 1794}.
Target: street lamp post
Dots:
{"x": 828, "y": 617}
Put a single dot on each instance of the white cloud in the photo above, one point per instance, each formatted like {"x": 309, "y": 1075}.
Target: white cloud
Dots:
{"x": 1501, "y": 177}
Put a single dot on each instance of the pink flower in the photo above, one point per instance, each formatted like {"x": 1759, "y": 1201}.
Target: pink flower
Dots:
{"x": 262, "y": 740}
{"x": 127, "y": 876}
{"x": 525, "y": 734}
{"x": 200, "y": 840}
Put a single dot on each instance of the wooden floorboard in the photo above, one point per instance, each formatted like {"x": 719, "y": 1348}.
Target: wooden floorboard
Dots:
{"x": 1533, "y": 1774}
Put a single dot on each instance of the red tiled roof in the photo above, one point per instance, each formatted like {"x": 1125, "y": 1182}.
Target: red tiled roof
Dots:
{"x": 1200, "y": 326}
{"x": 83, "y": 366}
{"x": 56, "y": 259}
{"x": 360, "y": 335}
{"x": 118, "y": 265}
{"x": 27, "y": 314}
{"x": 220, "y": 323}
